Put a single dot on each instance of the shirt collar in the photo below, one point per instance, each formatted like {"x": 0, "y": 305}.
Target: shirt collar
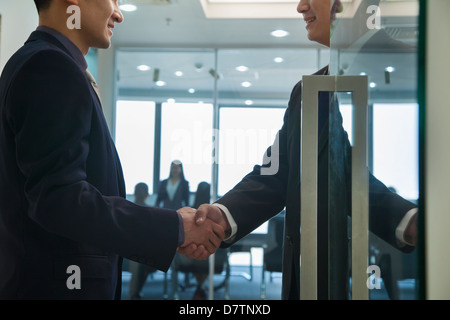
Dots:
{"x": 68, "y": 44}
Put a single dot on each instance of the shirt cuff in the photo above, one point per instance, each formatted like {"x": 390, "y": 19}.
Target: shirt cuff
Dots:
{"x": 180, "y": 230}
{"x": 230, "y": 219}
{"x": 400, "y": 231}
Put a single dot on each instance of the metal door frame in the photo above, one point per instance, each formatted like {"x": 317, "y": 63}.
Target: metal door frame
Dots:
{"x": 311, "y": 86}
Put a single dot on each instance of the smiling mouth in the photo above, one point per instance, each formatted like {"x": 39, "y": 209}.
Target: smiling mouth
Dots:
{"x": 310, "y": 20}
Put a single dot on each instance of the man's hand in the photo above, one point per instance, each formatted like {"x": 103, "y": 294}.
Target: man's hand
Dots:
{"x": 201, "y": 240}
{"x": 213, "y": 213}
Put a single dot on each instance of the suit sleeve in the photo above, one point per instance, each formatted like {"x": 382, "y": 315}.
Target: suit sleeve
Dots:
{"x": 261, "y": 194}
{"x": 52, "y": 124}
{"x": 386, "y": 208}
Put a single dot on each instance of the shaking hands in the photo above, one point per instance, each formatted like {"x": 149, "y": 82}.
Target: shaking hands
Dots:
{"x": 204, "y": 231}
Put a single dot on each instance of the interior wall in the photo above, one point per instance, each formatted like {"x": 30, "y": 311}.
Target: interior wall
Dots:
{"x": 19, "y": 19}
{"x": 437, "y": 158}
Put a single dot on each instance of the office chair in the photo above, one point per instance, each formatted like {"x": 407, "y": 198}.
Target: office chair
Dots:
{"x": 273, "y": 250}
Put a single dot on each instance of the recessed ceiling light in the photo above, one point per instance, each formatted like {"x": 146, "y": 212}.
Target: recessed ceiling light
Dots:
{"x": 160, "y": 83}
{"x": 170, "y": 100}
{"x": 246, "y": 84}
{"x": 372, "y": 84}
{"x": 278, "y": 59}
{"x": 248, "y": 102}
{"x": 143, "y": 67}
{"x": 363, "y": 74}
{"x": 242, "y": 68}
{"x": 279, "y": 33}
{"x": 191, "y": 90}
{"x": 179, "y": 73}
{"x": 128, "y": 7}
{"x": 390, "y": 69}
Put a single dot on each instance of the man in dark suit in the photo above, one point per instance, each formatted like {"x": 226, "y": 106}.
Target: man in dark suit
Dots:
{"x": 259, "y": 197}
{"x": 64, "y": 220}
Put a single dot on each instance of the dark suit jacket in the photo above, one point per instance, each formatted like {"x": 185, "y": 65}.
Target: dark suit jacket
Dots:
{"x": 62, "y": 189}
{"x": 257, "y": 198}
{"x": 180, "y": 198}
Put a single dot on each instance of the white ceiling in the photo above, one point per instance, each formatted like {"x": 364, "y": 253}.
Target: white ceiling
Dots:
{"x": 184, "y": 24}
{"x": 178, "y": 36}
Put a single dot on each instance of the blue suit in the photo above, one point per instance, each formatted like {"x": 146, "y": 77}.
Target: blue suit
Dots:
{"x": 62, "y": 199}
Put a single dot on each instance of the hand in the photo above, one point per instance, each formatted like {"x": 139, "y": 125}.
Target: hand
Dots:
{"x": 213, "y": 213}
{"x": 200, "y": 240}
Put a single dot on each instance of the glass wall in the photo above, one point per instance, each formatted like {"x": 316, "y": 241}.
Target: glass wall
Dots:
{"x": 217, "y": 111}
{"x": 366, "y": 42}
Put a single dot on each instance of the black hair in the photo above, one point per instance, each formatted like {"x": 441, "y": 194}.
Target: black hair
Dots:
{"x": 203, "y": 194}
{"x": 42, "y": 4}
{"x": 141, "y": 191}
{"x": 177, "y": 163}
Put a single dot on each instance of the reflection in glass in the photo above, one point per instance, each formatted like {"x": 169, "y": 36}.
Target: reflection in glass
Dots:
{"x": 379, "y": 39}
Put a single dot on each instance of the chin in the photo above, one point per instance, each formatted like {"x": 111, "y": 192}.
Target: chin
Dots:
{"x": 105, "y": 44}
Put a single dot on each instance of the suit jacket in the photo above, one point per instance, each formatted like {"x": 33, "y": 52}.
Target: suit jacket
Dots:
{"x": 63, "y": 194}
{"x": 257, "y": 198}
{"x": 180, "y": 198}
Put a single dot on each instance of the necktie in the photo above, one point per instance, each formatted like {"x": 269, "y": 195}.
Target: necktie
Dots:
{"x": 94, "y": 84}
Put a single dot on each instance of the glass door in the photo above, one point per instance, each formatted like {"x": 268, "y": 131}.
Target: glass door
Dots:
{"x": 378, "y": 41}
{"x": 360, "y": 179}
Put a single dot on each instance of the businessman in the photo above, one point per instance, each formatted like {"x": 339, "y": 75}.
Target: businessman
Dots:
{"x": 258, "y": 197}
{"x": 64, "y": 222}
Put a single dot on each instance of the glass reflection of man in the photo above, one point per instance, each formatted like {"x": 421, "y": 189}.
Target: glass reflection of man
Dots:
{"x": 258, "y": 197}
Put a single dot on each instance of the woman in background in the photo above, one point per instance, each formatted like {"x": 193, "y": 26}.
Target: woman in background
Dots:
{"x": 174, "y": 191}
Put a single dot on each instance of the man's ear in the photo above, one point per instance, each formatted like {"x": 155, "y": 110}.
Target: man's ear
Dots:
{"x": 72, "y": 2}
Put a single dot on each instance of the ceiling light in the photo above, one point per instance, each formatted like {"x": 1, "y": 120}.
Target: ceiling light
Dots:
{"x": 278, "y": 59}
{"x": 248, "y": 102}
{"x": 372, "y": 84}
{"x": 179, "y": 73}
{"x": 128, "y": 7}
{"x": 160, "y": 83}
{"x": 279, "y": 33}
{"x": 246, "y": 84}
{"x": 390, "y": 69}
{"x": 143, "y": 67}
{"x": 191, "y": 90}
{"x": 242, "y": 68}
{"x": 170, "y": 100}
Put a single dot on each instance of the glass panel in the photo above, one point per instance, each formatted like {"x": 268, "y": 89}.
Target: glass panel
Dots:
{"x": 245, "y": 134}
{"x": 254, "y": 87}
{"x": 378, "y": 39}
{"x": 135, "y": 137}
{"x": 186, "y": 135}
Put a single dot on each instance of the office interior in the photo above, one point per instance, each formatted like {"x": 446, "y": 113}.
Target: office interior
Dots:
{"x": 207, "y": 82}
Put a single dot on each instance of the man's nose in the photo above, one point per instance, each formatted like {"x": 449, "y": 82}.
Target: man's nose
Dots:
{"x": 117, "y": 15}
{"x": 303, "y": 6}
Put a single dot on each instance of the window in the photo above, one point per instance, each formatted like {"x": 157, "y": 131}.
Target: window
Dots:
{"x": 244, "y": 136}
{"x": 186, "y": 135}
{"x": 135, "y": 139}
{"x": 395, "y": 148}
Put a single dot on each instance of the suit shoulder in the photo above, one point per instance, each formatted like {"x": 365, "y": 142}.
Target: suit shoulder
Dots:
{"x": 39, "y": 54}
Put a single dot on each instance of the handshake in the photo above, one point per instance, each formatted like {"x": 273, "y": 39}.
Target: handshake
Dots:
{"x": 204, "y": 230}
